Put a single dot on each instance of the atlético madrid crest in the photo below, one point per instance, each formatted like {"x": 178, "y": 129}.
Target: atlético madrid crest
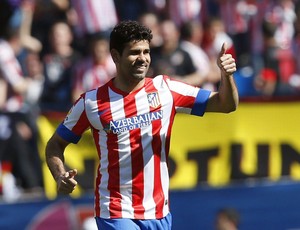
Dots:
{"x": 153, "y": 99}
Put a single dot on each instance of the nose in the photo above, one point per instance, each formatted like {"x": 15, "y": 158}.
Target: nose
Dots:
{"x": 142, "y": 57}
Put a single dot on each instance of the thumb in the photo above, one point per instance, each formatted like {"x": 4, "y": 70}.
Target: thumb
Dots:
{"x": 71, "y": 173}
{"x": 223, "y": 49}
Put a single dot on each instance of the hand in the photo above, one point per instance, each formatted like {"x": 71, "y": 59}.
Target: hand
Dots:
{"x": 226, "y": 62}
{"x": 66, "y": 182}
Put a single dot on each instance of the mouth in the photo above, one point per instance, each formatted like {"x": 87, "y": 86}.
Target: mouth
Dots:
{"x": 141, "y": 68}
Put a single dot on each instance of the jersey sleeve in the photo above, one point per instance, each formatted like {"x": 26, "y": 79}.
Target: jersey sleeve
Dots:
{"x": 75, "y": 123}
{"x": 188, "y": 99}
{"x": 10, "y": 67}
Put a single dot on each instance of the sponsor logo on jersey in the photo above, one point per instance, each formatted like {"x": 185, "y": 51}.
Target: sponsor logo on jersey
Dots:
{"x": 131, "y": 123}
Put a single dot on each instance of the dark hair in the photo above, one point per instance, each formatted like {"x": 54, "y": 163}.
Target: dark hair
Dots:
{"x": 231, "y": 214}
{"x": 268, "y": 28}
{"x": 187, "y": 29}
{"x": 6, "y": 12}
{"x": 128, "y": 31}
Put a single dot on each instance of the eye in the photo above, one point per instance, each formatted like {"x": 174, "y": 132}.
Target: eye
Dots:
{"x": 135, "y": 52}
{"x": 147, "y": 51}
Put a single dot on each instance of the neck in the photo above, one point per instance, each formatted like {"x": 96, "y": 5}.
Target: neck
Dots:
{"x": 15, "y": 45}
{"x": 64, "y": 50}
{"x": 128, "y": 86}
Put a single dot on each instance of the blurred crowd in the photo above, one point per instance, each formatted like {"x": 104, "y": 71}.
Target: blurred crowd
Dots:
{"x": 53, "y": 50}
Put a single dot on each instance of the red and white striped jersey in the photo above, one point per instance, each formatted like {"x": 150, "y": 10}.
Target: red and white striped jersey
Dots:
{"x": 10, "y": 76}
{"x": 184, "y": 10}
{"x": 94, "y": 15}
{"x": 132, "y": 134}
{"x": 90, "y": 75}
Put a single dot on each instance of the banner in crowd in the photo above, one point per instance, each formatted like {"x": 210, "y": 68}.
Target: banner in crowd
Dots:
{"x": 259, "y": 140}
{"x": 261, "y": 206}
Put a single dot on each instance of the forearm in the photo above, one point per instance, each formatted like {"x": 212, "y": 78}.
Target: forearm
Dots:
{"x": 55, "y": 158}
{"x": 228, "y": 93}
{"x": 226, "y": 99}
{"x": 55, "y": 161}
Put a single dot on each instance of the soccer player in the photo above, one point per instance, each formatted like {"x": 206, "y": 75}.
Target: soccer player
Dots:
{"x": 131, "y": 118}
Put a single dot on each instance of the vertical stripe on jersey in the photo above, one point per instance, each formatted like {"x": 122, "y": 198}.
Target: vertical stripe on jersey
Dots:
{"x": 97, "y": 195}
{"x": 157, "y": 194}
{"x": 166, "y": 125}
{"x": 93, "y": 22}
{"x": 113, "y": 166}
{"x": 137, "y": 161}
{"x": 148, "y": 159}
{"x": 107, "y": 158}
{"x": 121, "y": 161}
{"x": 95, "y": 132}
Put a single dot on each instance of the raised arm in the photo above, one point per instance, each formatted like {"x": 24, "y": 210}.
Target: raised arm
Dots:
{"x": 226, "y": 99}
{"x": 55, "y": 160}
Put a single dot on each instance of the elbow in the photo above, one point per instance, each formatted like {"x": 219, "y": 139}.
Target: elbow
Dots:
{"x": 231, "y": 108}
{"x": 233, "y": 105}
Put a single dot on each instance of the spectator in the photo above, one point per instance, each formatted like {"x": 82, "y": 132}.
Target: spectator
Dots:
{"x": 15, "y": 145}
{"x": 94, "y": 16}
{"x": 269, "y": 82}
{"x": 191, "y": 38}
{"x": 295, "y": 78}
{"x": 215, "y": 35}
{"x": 33, "y": 67}
{"x": 131, "y": 10}
{"x": 34, "y": 70}
{"x": 284, "y": 16}
{"x": 171, "y": 59}
{"x": 58, "y": 67}
{"x": 46, "y": 13}
{"x": 91, "y": 17}
{"x": 236, "y": 16}
{"x": 157, "y": 7}
{"x": 95, "y": 69}
{"x": 181, "y": 11}
{"x": 152, "y": 21}
{"x": 227, "y": 219}
{"x": 22, "y": 17}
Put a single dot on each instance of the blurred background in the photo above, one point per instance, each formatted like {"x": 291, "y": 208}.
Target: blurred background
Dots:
{"x": 237, "y": 171}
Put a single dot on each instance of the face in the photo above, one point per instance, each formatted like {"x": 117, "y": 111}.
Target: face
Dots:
{"x": 101, "y": 50}
{"x": 223, "y": 223}
{"x": 169, "y": 32}
{"x": 133, "y": 64}
{"x": 61, "y": 34}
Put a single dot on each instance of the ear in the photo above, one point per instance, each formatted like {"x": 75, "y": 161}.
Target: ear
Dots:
{"x": 115, "y": 55}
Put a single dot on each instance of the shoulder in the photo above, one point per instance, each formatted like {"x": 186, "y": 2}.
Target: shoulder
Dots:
{"x": 157, "y": 78}
{"x": 182, "y": 51}
{"x": 5, "y": 49}
{"x": 99, "y": 92}
{"x": 160, "y": 82}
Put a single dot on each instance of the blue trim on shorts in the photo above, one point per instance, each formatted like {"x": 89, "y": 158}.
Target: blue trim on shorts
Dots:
{"x": 200, "y": 102}
{"x": 67, "y": 134}
{"x": 134, "y": 224}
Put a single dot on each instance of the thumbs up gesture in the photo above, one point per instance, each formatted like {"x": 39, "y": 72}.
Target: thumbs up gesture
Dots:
{"x": 226, "y": 62}
{"x": 66, "y": 182}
